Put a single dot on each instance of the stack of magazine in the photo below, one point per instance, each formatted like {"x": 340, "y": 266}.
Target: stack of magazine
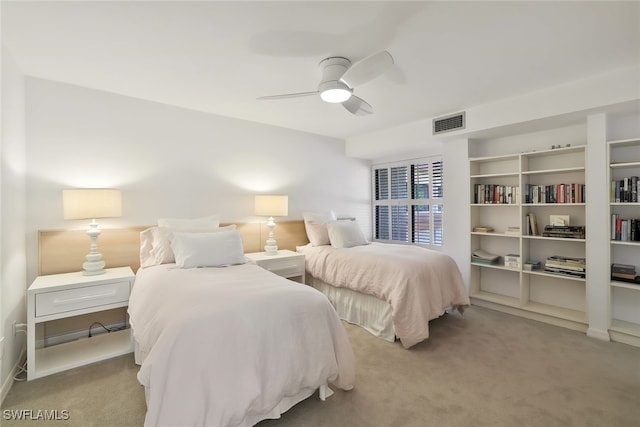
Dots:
{"x": 624, "y": 273}
{"x": 480, "y": 256}
{"x": 564, "y": 231}
{"x": 566, "y": 265}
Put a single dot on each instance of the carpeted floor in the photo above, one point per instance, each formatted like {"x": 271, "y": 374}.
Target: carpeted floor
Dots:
{"x": 482, "y": 369}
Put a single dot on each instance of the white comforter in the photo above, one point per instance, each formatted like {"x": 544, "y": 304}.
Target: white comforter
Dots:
{"x": 225, "y": 346}
{"x": 418, "y": 283}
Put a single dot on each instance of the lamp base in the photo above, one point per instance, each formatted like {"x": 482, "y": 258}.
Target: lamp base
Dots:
{"x": 92, "y": 272}
{"x": 94, "y": 265}
{"x": 271, "y": 248}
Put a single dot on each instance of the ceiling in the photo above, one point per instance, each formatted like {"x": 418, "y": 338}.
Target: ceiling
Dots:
{"x": 218, "y": 57}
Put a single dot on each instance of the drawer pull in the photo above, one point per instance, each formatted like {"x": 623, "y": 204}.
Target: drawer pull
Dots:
{"x": 83, "y": 298}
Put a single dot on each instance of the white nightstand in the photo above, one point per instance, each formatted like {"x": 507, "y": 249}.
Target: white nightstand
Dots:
{"x": 286, "y": 263}
{"x": 66, "y": 295}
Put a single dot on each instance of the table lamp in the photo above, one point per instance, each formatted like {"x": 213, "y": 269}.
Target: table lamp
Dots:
{"x": 271, "y": 205}
{"x": 92, "y": 203}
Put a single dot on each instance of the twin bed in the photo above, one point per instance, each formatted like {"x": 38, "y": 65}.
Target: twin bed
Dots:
{"x": 391, "y": 290}
{"x": 230, "y": 344}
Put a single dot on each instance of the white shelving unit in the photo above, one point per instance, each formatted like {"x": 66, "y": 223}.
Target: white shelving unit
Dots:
{"x": 552, "y": 298}
{"x": 624, "y": 161}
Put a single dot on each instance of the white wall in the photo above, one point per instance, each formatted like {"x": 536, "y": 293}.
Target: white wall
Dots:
{"x": 173, "y": 162}
{"x": 562, "y": 104}
{"x": 456, "y": 204}
{"x": 13, "y": 281}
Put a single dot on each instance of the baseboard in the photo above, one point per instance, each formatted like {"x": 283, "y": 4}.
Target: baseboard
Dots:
{"x": 6, "y": 386}
{"x": 598, "y": 334}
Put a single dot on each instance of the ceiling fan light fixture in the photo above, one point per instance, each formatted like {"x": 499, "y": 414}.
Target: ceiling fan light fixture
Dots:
{"x": 334, "y": 92}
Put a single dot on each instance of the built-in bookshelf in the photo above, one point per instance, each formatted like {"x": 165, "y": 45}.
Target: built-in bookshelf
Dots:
{"x": 624, "y": 208}
{"x": 557, "y": 176}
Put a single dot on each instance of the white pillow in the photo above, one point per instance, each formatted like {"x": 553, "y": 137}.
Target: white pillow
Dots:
{"x": 315, "y": 224}
{"x": 345, "y": 234}
{"x": 216, "y": 249}
{"x": 146, "y": 245}
{"x": 161, "y": 251}
{"x": 212, "y": 221}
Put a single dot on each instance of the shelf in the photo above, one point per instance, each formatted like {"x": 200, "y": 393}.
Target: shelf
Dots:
{"x": 635, "y": 204}
{"x": 625, "y": 327}
{"x": 624, "y": 142}
{"x": 554, "y": 311}
{"x": 555, "y": 276}
{"x": 513, "y": 205}
{"x": 496, "y": 298}
{"x": 534, "y": 307}
{"x": 554, "y": 171}
{"x": 496, "y": 266}
{"x": 626, "y": 285}
{"x": 553, "y": 204}
{"x": 625, "y": 242}
{"x": 493, "y": 159}
{"x": 624, "y": 165}
{"x": 480, "y": 233}
{"x": 560, "y": 239}
{"x": 496, "y": 175}
{"x": 70, "y": 355}
{"x": 625, "y": 332}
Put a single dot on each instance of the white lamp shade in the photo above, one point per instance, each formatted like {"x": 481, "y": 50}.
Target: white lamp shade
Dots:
{"x": 90, "y": 203}
{"x": 271, "y": 205}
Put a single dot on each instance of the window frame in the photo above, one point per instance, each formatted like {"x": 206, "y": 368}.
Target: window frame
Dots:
{"x": 434, "y": 201}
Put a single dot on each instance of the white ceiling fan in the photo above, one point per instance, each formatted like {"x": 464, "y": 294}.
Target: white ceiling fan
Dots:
{"x": 340, "y": 76}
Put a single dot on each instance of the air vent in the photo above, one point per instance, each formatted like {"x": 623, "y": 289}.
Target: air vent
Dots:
{"x": 448, "y": 123}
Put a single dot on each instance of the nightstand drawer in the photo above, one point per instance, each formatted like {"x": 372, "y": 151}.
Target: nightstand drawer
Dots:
{"x": 79, "y": 298}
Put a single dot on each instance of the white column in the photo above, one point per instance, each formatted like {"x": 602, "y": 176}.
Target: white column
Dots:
{"x": 597, "y": 220}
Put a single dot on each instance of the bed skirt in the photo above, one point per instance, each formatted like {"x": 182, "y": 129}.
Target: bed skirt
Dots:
{"x": 366, "y": 311}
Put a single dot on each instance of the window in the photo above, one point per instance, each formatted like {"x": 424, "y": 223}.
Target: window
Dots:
{"x": 407, "y": 201}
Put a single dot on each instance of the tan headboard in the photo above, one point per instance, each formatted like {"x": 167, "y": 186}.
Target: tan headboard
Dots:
{"x": 63, "y": 251}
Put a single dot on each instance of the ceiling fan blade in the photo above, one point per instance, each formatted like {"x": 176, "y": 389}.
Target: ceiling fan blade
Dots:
{"x": 288, "y": 95}
{"x": 367, "y": 69}
{"x": 358, "y": 106}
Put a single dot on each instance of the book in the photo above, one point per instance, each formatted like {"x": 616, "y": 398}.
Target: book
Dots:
{"x": 512, "y": 231}
{"x": 483, "y": 229}
{"x": 566, "y": 272}
{"x": 631, "y": 276}
{"x": 483, "y": 257}
{"x": 623, "y": 268}
{"x": 531, "y": 265}
{"x": 636, "y": 280}
{"x": 533, "y": 222}
{"x": 571, "y": 266}
{"x": 564, "y": 231}
{"x": 512, "y": 258}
